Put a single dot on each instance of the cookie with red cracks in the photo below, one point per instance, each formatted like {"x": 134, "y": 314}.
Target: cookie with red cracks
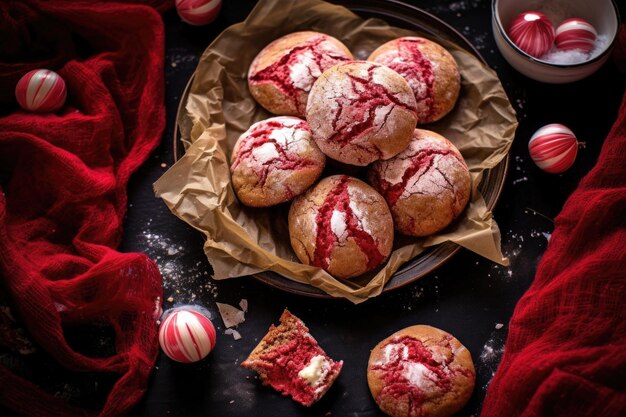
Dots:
{"x": 282, "y": 74}
{"x": 275, "y": 160}
{"x": 426, "y": 186}
{"x": 421, "y": 371}
{"x": 289, "y": 360}
{"x": 341, "y": 225}
{"x": 361, "y": 112}
{"x": 430, "y": 70}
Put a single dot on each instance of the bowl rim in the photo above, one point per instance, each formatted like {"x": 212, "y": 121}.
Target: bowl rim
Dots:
{"x": 498, "y": 23}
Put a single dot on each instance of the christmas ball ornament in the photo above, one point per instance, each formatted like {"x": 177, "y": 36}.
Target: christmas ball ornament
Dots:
{"x": 553, "y": 148}
{"x": 186, "y": 335}
{"x": 533, "y": 33}
{"x": 198, "y": 12}
{"x": 575, "y": 34}
{"x": 41, "y": 90}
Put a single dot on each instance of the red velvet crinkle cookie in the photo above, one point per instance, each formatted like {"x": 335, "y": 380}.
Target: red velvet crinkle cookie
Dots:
{"x": 289, "y": 360}
{"x": 430, "y": 70}
{"x": 341, "y": 225}
{"x": 420, "y": 371}
{"x": 275, "y": 160}
{"x": 426, "y": 186}
{"x": 281, "y": 75}
{"x": 361, "y": 112}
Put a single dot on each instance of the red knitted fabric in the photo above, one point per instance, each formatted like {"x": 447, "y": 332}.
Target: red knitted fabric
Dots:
{"x": 565, "y": 354}
{"x": 62, "y": 189}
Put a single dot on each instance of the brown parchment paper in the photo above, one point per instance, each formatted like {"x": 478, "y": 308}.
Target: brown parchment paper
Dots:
{"x": 243, "y": 241}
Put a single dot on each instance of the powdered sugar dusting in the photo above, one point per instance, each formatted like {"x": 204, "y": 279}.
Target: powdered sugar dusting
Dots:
{"x": 183, "y": 282}
{"x": 490, "y": 357}
{"x": 357, "y": 199}
{"x": 439, "y": 354}
{"x": 338, "y": 224}
{"x": 419, "y": 375}
{"x": 381, "y": 113}
{"x": 265, "y": 153}
{"x": 287, "y": 135}
{"x": 283, "y": 136}
{"x": 305, "y": 71}
{"x": 393, "y": 352}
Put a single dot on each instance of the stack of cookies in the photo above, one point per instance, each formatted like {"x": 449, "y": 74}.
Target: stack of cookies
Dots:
{"x": 355, "y": 114}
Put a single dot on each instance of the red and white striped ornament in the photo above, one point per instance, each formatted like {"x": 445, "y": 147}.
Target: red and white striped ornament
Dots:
{"x": 41, "y": 90}
{"x": 553, "y": 148}
{"x": 576, "y": 34}
{"x": 198, "y": 12}
{"x": 186, "y": 335}
{"x": 533, "y": 33}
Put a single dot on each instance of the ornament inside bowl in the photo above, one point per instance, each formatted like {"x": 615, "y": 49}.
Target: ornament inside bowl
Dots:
{"x": 576, "y": 33}
{"x": 532, "y": 32}
{"x": 557, "y": 66}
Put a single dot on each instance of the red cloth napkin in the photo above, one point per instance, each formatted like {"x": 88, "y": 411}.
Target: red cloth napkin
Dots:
{"x": 565, "y": 354}
{"x": 62, "y": 189}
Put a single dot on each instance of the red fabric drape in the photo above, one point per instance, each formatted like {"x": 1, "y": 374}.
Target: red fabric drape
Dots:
{"x": 63, "y": 198}
{"x": 565, "y": 354}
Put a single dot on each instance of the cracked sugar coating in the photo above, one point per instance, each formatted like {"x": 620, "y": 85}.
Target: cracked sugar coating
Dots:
{"x": 289, "y": 360}
{"x": 420, "y": 371}
{"x": 426, "y": 186}
{"x": 275, "y": 160}
{"x": 361, "y": 112}
{"x": 429, "y": 69}
{"x": 342, "y": 225}
{"x": 282, "y": 74}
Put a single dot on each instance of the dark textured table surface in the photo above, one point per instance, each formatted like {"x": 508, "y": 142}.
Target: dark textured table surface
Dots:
{"x": 469, "y": 296}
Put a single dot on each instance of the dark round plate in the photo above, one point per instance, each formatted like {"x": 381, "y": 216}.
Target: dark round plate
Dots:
{"x": 410, "y": 17}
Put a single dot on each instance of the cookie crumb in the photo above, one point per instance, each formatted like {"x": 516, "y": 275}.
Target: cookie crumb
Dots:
{"x": 231, "y": 316}
{"x": 236, "y": 335}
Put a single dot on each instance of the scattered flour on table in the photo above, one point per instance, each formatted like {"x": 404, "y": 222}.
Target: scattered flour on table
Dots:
{"x": 179, "y": 57}
{"x": 415, "y": 297}
{"x": 182, "y": 283}
{"x": 458, "y": 7}
{"x": 491, "y": 355}
{"x": 519, "y": 167}
{"x": 519, "y": 105}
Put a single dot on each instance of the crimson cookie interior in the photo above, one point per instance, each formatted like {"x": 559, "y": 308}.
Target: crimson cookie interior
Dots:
{"x": 282, "y": 74}
{"x": 275, "y": 160}
{"x": 289, "y": 360}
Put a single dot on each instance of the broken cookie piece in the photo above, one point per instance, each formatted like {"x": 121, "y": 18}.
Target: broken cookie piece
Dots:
{"x": 289, "y": 360}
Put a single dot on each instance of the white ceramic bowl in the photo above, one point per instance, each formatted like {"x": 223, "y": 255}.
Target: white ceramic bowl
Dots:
{"x": 602, "y": 14}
